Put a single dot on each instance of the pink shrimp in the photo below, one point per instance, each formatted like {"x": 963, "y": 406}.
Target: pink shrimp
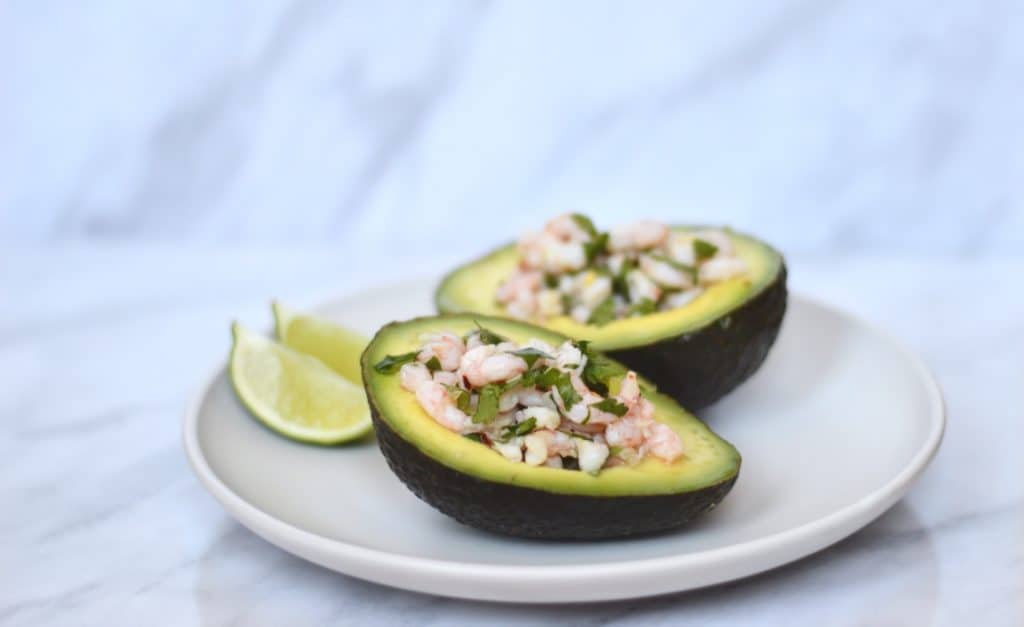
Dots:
{"x": 639, "y": 235}
{"x": 518, "y": 285}
{"x": 434, "y": 399}
{"x": 627, "y": 431}
{"x": 565, "y": 228}
{"x": 446, "y": 378}
{"x": 720, "y": 269}
{"x": 664, "y": 443}
{"x": 557, "y": 442}
{"x": 597, "y": 416}
{"x": 483, "y": 365}
{"x": 411, "y": 376}
{"x": 447, "y": 347}
{"x": 664, "y": 273}
{"x": 629, "y": 391}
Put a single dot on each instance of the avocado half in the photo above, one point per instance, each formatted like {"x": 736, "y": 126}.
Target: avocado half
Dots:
{"x": 696, "y": 354}
{"x": 475, "y": 485}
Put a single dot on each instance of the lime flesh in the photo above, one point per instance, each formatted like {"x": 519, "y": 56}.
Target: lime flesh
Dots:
{"x": 337, "y": 347}
{"x": 295, "y": 394}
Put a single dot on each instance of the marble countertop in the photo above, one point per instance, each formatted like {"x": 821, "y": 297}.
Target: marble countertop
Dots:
{"x": 168, "y": 167}
{"x": 104, "y": 523}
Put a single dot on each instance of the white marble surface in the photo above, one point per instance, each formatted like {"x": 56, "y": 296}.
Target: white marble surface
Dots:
{"x": 869, "y": 124}
{"x": 166, "y": 167}
{"x": 104, "y": 524}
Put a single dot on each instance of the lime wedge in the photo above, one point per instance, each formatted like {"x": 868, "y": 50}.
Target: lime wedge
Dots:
{"x": 294, "y": 394}
{"x": 332, "y": 344}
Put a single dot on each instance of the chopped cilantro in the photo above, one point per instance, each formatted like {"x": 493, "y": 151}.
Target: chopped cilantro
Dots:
{"x": 487, "y": 336}
{"x": 433, "y": 364}
{"x": 565, "y": 390}
{"x": 612, "y": 406}
{"x": 391, "y": 363}
{"x": 566, "y": 303}
{"x": 584, "y": 223}
{"x": 642, "y": 308}
{"x": 476, "y": 437}
{"x": 595, "y": 247}
{"x": 581, "y": 436}
{"x": 460, "y": 396}
{"x": 603, "y": 313}
{"x": 546, "y": 378}
{"x": 619, "y": 284}
{"x": 525, "y": 427}
{"x": 598, "y": 370}
{"x": 487, "y": 404}
{"x": 703, "y": 249}
{"x": 530, "y": 355}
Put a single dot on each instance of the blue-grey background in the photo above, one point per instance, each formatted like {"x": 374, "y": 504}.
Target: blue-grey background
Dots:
{"x": 167, "y": 167}
{"x": 823, "y": 125}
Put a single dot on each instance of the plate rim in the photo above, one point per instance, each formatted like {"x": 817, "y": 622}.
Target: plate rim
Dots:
{"x": 386, "y": 567}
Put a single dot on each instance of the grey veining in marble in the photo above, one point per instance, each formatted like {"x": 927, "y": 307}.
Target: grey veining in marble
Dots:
{"x": 104, "y": 524}
{"x": 167, "y": 167}
{"x": 869, "y": 124}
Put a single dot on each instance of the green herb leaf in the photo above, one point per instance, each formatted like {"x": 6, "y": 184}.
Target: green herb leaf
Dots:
{"x": 566, "y": 303}
{"x": 614, "y": 450}
{"x": 391, "y": 363}
{"x": 511, "y": 383}
{"x": 619, "y": 284}
{"x": 528, "y": 379}
{"x": 581, "y": 436}
{"x": 550, "y": 281}
{"x": 530, "y": 355}
{"x": 570, "y": 463}
{"x": 642, "y": 308}
{"x": 703, "y": 249}
{"x": 476, "y": 437}
{"x": 460, "y": 396}
{"x": 487, "y": 404}
{"x": 612, "y": 406}
{"x": 584, "y": 223}
{"x": 595, "y": 247}
{"x": 487, "y": 336}
{"x": 603, "y": 313}
{"x": 433, "y": 364}
{"x": 542, "y": 379}
{"x": 525, "y": 427}
{"x": 597, "y": 372}
{"x": 566, "y": 391}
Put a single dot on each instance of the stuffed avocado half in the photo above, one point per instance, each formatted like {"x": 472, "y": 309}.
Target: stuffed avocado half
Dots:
{"x": 702, "y": 338}
{"x": 612, "y": 458}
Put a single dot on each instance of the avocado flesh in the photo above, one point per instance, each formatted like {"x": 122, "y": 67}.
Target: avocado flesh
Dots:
{"x": 475, "y": 485}
{"x": 696, "y": 353}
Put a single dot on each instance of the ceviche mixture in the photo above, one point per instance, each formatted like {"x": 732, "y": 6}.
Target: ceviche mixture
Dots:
{"x": 571, "y": 268}
{"x": 534, "y": 403}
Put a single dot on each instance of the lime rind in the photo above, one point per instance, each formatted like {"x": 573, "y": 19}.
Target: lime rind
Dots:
{"x": 285, "y": 390}
{"x": 283, "y": 316}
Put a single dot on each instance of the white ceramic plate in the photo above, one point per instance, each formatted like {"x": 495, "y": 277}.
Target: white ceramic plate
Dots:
{"x": 833, "y": 430}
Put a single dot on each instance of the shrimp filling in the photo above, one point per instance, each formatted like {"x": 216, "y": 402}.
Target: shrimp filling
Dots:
{"x": 534, "y": 403}
{"x": 572, "y": 269}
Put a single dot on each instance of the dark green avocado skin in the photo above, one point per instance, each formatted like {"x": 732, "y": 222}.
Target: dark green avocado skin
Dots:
{"x": 529, "y": 513}
{"x": 701, "y": 366}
